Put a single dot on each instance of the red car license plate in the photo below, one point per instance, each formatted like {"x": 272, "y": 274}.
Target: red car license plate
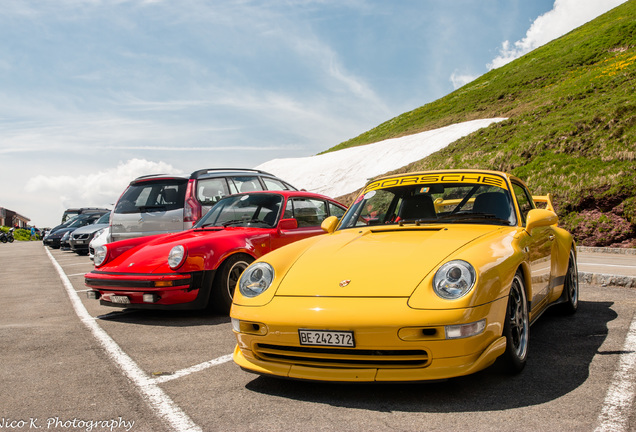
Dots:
{"x": 119, "y": 299}
{"x": 326, "y": 338}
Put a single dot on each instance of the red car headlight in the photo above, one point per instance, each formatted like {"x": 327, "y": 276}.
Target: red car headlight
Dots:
{"x": 101, "y": 253}
{"x": 176, "y": 257}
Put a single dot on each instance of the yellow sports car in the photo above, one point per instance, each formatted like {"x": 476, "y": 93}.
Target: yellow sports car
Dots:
{"x": 429, "y": 275}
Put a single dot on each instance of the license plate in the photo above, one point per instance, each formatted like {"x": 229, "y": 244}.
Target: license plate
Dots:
{"x": 119, "y": 299}
{"x": 326, "y": 338}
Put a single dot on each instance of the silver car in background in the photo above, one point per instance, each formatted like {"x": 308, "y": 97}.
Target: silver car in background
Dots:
{"x": 159, "y": 204}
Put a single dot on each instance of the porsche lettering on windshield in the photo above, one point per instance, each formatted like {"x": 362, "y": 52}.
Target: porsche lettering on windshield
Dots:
{"x": 474, "y": 178}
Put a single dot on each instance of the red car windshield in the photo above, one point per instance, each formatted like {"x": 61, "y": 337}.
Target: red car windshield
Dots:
{"x": 248, "y": 210}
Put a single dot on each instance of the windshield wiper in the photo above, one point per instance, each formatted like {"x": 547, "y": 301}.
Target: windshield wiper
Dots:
{"x": 152, "y": 207}
{"x": 211, "y": 224}
{"x": 463, "y": 217}
{"x": 240, "y": 221}
{"x": 417, "y": 222}
{"x": 452, "y": 218}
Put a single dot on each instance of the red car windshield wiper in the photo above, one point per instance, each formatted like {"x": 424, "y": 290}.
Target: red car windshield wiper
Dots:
{"x": 244, "y": 221}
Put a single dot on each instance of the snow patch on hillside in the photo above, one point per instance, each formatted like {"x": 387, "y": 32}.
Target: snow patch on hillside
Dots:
{"x": 338, "y": 173}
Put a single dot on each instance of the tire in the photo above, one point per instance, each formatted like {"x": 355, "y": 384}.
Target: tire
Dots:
{"x": 10, "y": 239}
{"x": 516, "y": 327}
{"x": 225, "y": 282}
{"x": 571, "y": 287}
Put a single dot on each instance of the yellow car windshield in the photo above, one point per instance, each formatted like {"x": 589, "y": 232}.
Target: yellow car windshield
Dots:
{"x": 432, "y": 203}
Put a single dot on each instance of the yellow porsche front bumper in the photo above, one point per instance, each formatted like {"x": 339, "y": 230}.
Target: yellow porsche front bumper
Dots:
{"x": 393, "y": 342}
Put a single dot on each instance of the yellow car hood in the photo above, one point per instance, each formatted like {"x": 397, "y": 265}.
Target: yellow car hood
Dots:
{"x": 375, "y": 262}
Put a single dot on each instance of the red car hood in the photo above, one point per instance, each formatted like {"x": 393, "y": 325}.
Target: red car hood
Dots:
{"x": 201, "y": 245}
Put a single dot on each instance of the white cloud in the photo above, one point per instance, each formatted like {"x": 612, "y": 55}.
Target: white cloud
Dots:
{"x": 101, "y": 188}
{"x": 566, "y": 15}
{"x": 212, "y": 148}
{"x": 460, "y": 80}
{"x": 340, "y": 78}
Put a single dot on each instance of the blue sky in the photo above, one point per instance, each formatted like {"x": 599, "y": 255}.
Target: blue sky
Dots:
{"x": 96, "y": 92}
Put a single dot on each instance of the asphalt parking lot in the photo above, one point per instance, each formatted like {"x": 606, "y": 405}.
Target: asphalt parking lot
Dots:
{"x": 68, "y": 363}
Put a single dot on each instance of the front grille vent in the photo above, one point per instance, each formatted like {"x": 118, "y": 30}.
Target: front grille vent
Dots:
{"x": 342, "y": 357}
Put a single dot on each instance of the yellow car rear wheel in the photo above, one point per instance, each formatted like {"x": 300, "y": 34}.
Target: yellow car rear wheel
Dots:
{"x": 571, "y": 287}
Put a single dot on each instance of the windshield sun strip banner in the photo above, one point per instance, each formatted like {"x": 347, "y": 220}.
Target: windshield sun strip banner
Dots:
{"x": 472, "y": 178}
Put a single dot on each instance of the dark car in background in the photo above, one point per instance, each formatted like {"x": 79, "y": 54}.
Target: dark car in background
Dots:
{"x": 54, "y": 238}
{"x": 81, "y": 237}
{"x": 72, "y": 212}
{"x": 160, "y": 204}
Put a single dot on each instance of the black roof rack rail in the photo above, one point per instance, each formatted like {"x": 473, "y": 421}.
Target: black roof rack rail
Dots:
{"x": 210, "y": 170}
{"x": 150, "y": 175}
{"x": 177, "y": 176}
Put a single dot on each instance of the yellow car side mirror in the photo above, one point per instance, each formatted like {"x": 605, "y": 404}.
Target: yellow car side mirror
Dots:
{"x": 540, "y": 218}
{"x": 329, "y": 224}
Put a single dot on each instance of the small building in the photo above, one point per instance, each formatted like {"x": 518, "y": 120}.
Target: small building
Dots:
{"x": 11, "y": 219}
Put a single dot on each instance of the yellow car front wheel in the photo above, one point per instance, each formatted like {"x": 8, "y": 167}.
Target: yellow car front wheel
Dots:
{"x": 516, "y": 327}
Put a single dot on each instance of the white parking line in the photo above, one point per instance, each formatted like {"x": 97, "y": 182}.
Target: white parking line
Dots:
{"x": 159, "y": 401}
{"x": 195, "y": 368}
{"x": 617, "y": 407}
{"x": 606, "y": 265}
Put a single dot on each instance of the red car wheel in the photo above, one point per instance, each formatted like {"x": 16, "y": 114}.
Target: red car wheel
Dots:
{"x": 225, "y": 281}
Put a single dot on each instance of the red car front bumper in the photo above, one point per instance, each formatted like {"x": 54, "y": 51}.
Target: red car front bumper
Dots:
{"x": 172, "y": 291}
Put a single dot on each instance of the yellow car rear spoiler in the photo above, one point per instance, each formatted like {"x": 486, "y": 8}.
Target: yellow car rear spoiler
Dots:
{"x": 547, "y": 199}
{"x": 441, "y": 204}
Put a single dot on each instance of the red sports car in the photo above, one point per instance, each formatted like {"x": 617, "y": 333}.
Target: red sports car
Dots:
{"x": 199, "y": 267}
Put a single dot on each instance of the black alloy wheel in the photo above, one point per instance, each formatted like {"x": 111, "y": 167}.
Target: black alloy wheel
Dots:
{"x": 571, "y": 287}
{"x": 516, "y": 326}
{"x": 225, "y": 281}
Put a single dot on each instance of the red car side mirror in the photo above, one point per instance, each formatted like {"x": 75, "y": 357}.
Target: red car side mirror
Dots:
{"x": 288, "y": 224}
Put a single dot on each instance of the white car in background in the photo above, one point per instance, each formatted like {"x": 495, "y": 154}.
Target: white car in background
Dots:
{"x": 100, "y": 238}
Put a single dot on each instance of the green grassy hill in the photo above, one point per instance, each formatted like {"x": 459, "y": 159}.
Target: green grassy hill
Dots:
{"x": 571, "y": 112}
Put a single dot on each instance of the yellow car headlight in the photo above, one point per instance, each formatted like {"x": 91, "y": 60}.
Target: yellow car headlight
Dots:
{"x": 454, "y": 280}
{"x": 256, "y": 279}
